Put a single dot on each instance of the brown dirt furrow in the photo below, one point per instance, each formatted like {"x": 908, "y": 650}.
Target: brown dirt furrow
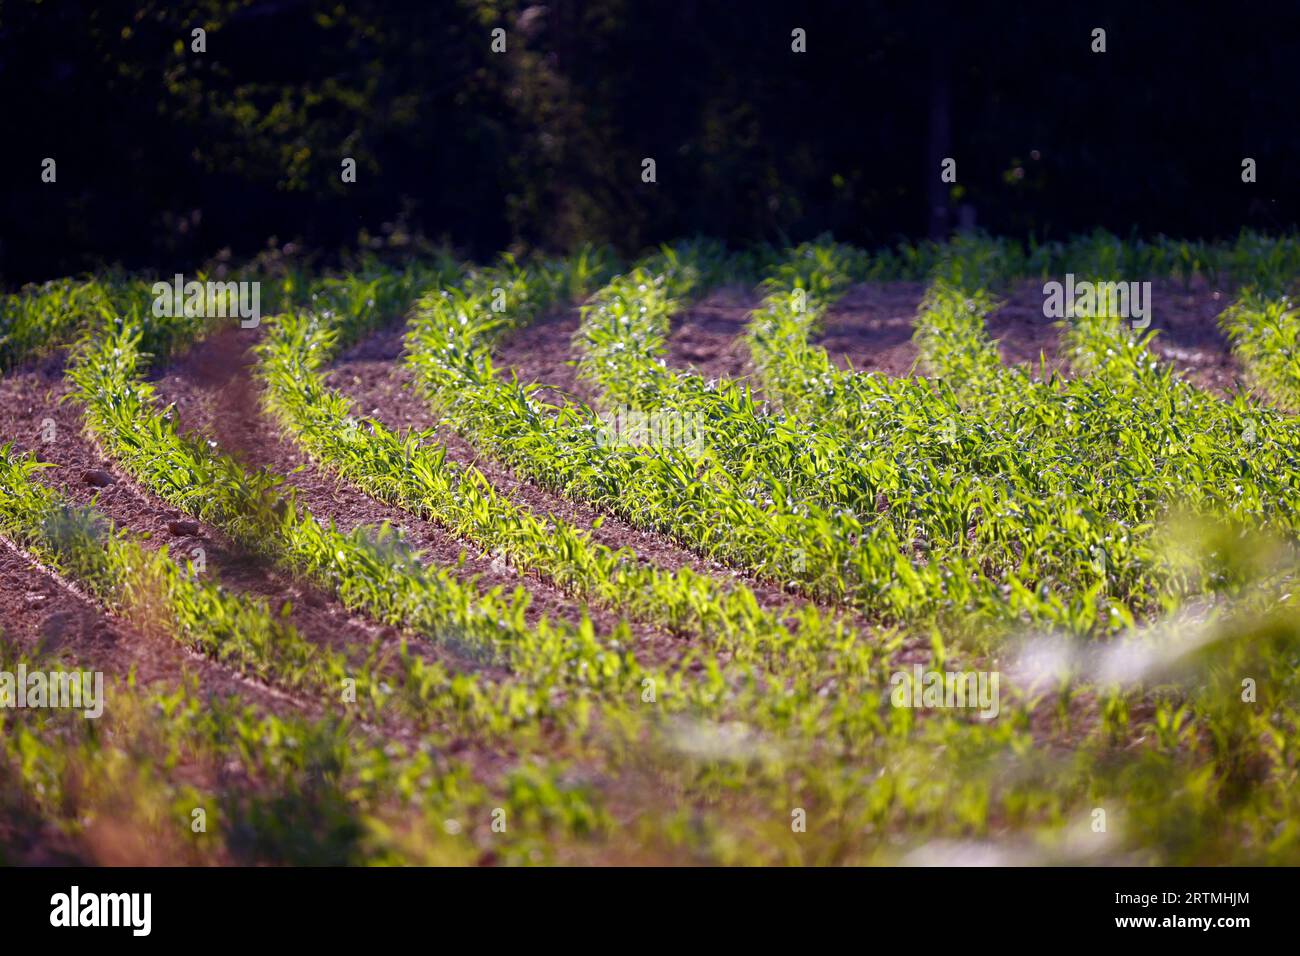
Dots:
{"x": 1189, "y": 335}
{"x": 35, "y": 398}
{"x": 1023, "y": 334}
{"x": 707, "y": 336}
{"x": 542, "y": 353}
{"x": 50, "y": 620}
{"x": 371, "y": 374}
{"x": 1185, "y": 318}
{"x": 45, "y": 615}
{"x": 870, "y": 328}
{"x": 32, "y": 397}
{"x": 704, "y": 337}
{"x": 215, "y": 395}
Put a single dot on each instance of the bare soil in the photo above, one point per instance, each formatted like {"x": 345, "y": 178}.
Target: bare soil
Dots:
{"x": 230, "y": 408}
{"x": 32, "y": 396}
{"x": 47, "y": 618}
{"x": 372, "y": 375}
{"x": 214, "y": 394}
{"x": 870, "y": 329}
{"x": 707, "y": 337}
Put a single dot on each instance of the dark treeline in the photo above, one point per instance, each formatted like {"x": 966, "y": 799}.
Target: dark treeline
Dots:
{"x": 164, "y": 155}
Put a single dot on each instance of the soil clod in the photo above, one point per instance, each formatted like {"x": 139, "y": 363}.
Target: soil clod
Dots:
{"x": 98, "y": 478}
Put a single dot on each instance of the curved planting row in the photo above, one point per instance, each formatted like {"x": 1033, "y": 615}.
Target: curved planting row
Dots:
{"x": 412, "y": 471}
{"x": 1265, "y": 334}
{"x": 978, "y": 504}
{"x": 370, "y": 570}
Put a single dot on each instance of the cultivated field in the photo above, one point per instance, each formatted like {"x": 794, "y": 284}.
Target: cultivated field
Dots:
{"x": 780, "y": 556}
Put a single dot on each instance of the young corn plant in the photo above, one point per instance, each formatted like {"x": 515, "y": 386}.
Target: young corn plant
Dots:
{"x": 1265, "y": 335}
